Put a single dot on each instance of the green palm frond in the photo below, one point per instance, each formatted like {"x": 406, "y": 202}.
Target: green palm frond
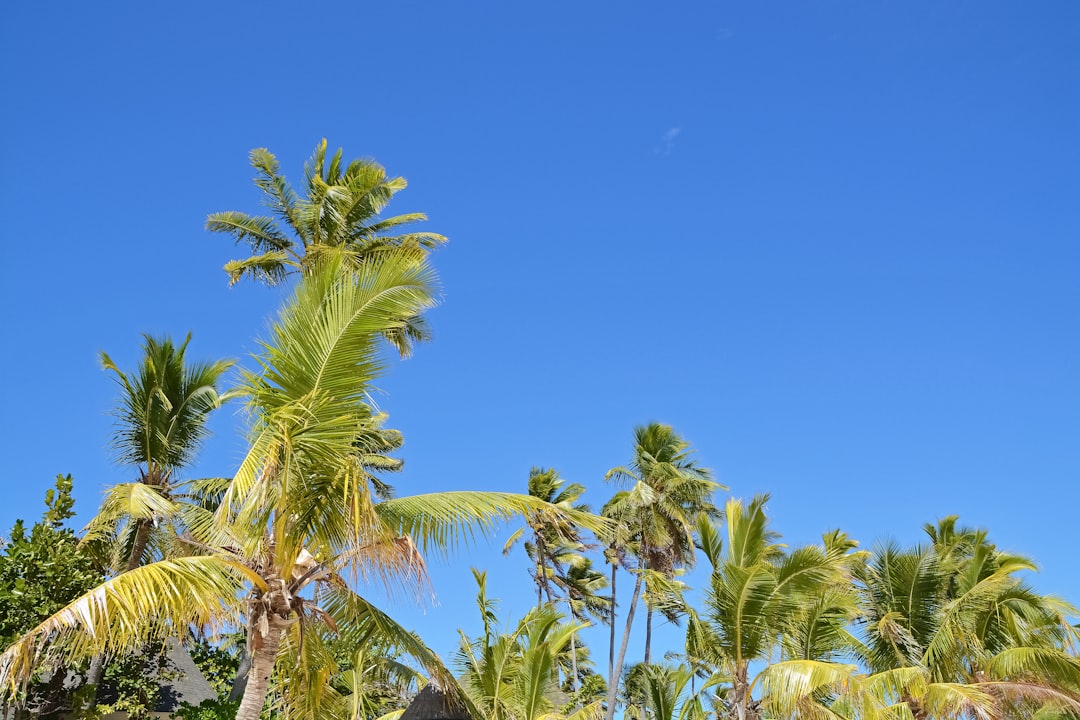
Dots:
{"x": 260, "y": 232}
{"x": 359, "y": 623}
{"x": 281, "y": 198}
{"x": 121, "y": 614}
{"x": 269, "y": 267}
{"x": 164, "y": 405}
{"x": 128, "y": 501}
{"x": 785, "y": 686}
{"x": 442, "y": 521}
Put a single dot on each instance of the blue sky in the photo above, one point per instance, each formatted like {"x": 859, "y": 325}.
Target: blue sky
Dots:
{"x": 835, "y": 244}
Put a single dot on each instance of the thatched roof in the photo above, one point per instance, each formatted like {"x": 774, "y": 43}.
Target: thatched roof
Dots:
{"x": 433, "y": 704}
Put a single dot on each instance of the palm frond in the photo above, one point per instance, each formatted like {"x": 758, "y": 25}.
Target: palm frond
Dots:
{"x": 442, "y": 521}
{"x": 121, "y": 614}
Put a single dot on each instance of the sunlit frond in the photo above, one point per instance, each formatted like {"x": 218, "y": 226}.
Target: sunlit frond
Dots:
{"x": 443, "y": 521}
{"x": 121, "y": 614}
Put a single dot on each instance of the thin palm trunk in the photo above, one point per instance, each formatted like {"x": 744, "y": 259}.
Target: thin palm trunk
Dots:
{"x": 648, "y": 617}
{"x": 613, "y": 682}
{"x": 573, "y": 650}
{"x": 611, "y": 642}
{"x": 263, "y": 658}
{"x": 648, "y": 634}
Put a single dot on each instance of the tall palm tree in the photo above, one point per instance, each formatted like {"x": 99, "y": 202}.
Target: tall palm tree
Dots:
{"x": 338, "y": 216}
{"x": 299, "y": 510}
{"x": 555, "y": 546}
{"x": 550, "y": 542}
{"x": 668, "y": 491}
{"x": 761, "y": 594}
{"x": 583, "y": 588}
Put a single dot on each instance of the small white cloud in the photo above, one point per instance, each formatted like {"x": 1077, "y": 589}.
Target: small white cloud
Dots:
{"x": 667, "y": 141}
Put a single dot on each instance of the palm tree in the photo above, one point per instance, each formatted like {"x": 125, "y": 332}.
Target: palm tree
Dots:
{"x": 583, "y": 587}
{"x": 550, "y": 542}
{"x": 299, "y": 511}
{"x": 761, "y": 595}
{"x": 337, "y": 217}
{"x": 668, "y": 491}
{"x": 666, "y": 693}
{"x": 162, "y": 415}
{"x": 554, "y": 547}
{"x": 515, "y": 675}
{"x": 950, "y": 628}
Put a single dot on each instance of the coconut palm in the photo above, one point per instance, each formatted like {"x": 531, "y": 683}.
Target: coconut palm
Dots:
{"x": 338, "y": 216}
{"x": 515, "y": 675}
{"x": 760, "y": 594}
{"x": 583, "y": 588}
{"x": 550, "y": 543}
{"x": 162, "y": 415}
{"x": 666, "y": 692}
{"x": 299, "y": 511}
{"x": 554, "y": 549}
{"x": 951, "y": 629}
{"x": 656, "y": 516}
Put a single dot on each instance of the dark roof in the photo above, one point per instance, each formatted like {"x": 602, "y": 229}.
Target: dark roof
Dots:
{"x": 191, "y": 687}
{"x": 433, "y": 704}
{"x": 178, "y": 677}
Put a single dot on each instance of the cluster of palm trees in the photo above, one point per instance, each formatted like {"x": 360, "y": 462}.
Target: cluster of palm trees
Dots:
{"x": 286, "y": 545}
{"x": 281, "y": 546}
{"x": 947, "y": 629}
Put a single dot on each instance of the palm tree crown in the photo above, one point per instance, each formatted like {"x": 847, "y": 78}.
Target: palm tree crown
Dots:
{"x": 339, "y": 214}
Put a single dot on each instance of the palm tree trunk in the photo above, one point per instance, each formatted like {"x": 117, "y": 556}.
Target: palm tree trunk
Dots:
{"x": 611, "y": 643}
{"x": 93, "y": 680}
{"x": 573, "y": 650}
{"x": 138, "y": 546}
{"x": 648, "y": 634}
{"x": 240, "y": 681}
{"x": 613, "y": 681}
{"x": 648, "y": 618}
{"x": 263, "y": 658}
{"x": 743, "y": 706}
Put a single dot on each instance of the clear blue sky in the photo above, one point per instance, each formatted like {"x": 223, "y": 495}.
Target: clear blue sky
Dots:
{"x": 835, "y": 244}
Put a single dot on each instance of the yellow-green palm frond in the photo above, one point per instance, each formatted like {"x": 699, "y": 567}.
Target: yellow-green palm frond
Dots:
{"x": 260, "y": 232}
{"x": 1049, "y": 664}
{"x": 949, "y": 700}
{"x": 787, "y": 686}
{"x": 270, "y": 267}
{"x": 121, "y": 614}
{"x": 308, "y": 402}
{"x": 359, "y": 623}
{"x": 442, "y": 521}
{"x": 128, "y": 501}
{"x": 281, "y": 198}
